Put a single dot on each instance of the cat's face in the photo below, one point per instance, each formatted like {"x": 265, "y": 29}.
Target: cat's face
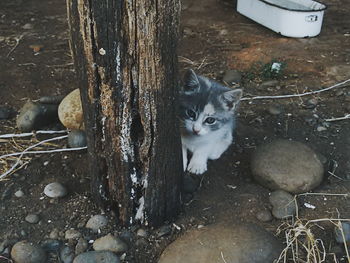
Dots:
{"x": 206, "y": 106}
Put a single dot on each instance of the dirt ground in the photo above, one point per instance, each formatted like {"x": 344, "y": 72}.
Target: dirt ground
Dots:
{"x": 215, "y": 38}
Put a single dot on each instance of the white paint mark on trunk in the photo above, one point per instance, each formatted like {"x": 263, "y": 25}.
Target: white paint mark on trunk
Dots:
{"x": 140, "y": 210}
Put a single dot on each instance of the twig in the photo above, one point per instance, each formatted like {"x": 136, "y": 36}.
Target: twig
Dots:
{"x": 296, "y": 95}
{"x": 10, "y": 135}
{"x": 60, "y": 66}
{"x": 346, "y": 195}
{"x": 15, "y": 46}
{"x": 26, "y": 150}
{"x": 44, "y": 151}
{"x": 347, "y": 116}
{"x": 222, "y": 256}
{"x": 328, "y": 219}
{"x": 338, "y": 177}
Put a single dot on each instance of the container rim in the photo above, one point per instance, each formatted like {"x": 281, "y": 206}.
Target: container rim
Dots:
{"x": 296, "y": 10}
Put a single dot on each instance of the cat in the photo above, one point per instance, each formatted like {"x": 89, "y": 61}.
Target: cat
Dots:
{"x": 207, "y": 120}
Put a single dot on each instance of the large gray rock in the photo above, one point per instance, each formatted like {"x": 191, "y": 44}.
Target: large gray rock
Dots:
{"x": 97, "y": 257}
{"x": 287, "y": 165}
{"x": 25, "y": 252}
{"x": 215, "y": 243}
{"x": 35, "y": 115}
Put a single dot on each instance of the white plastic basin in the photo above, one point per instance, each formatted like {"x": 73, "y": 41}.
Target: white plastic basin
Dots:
{"x": 291, "y": 18}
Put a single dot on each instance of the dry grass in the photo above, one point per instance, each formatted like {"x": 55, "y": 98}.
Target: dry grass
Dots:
{"x": 16, "y": 152}
{"x": 302, "y": 243}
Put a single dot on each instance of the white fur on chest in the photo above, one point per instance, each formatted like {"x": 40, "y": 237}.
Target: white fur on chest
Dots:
{"x": 210, "y": 146}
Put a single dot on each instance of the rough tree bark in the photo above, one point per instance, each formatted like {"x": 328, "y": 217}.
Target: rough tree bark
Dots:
{"x": 125, "y": 57}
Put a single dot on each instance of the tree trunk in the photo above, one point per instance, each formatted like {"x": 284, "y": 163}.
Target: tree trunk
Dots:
{"x": 125, "y": 57}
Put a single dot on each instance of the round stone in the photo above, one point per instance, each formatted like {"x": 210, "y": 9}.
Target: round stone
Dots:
{"x": 264, "y": 216}
{"x": 24, "y": 252}
{"x": 55, "y": 190}
{"x": 224, "y": 243}
{"x": 51, "y": 245}
{"x": 142, "y": 233}
{"x": 77, "y": 138}
{"x": 81, "y": 246}
{"x": 70, "y": 111}
{"x": 283, "y": 204}
{"x": 32, "y": 218}
{"x": 97, "y": 257}
{"x": 72, "y": 234}
{"x": 19, "y": 193}
{"x": 54, "y": 234}
{"x": 287, "y": 165}
{"x": 96, "y": 222}
{"x": 67, "y": 254}
{"x": 34, "y": 116}
{"x": 110, "y": 243}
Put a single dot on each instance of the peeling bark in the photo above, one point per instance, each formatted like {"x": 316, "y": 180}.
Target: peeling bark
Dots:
{"x": 125, "y": 57}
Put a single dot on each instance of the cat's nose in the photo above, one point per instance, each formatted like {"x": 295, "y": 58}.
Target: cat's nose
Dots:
{"x": 195, "y": 131}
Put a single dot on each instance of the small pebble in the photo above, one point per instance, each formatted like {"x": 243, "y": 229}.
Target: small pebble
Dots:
{"x": 19, "y": 193}
{"x": 283, "y": 204}
{"x": 72, "y": 234}
{"x": 77, "y": 138}
{"x": 81, "y": 246}
{"x": 54, "y": 234}
{"x": 97, "y": 222}
{"x": 97, "y": 257}
{"x": 66, "y": 254}
{"x": 110, "y": 243}
{"x": 28, "y": 26}
{"x": 311, "y": 103}
{"x": 142, "y": 233}
{"x": 163, "y": 231}
{"x": 55, "y": 190}
{"x": 321, "y": 128}
{"x": 264, "y": 216}
{"x": 32, "y": 218}
{"x": 275, "y": 109}
{"x": 51, "y": 245}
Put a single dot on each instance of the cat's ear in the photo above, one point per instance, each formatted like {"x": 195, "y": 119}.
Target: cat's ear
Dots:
{"x": 231, "y": 98}
{"x": 191, "y": 82}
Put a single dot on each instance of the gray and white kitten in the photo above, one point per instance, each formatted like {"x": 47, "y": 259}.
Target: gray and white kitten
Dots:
{"x": 207, "y": 120}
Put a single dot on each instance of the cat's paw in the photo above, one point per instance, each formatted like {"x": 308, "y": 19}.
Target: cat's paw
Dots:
{"x": 197, "y": 166}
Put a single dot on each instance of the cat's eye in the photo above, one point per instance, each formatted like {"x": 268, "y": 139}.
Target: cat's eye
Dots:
{"x": 191, "y": 114}
{"x": 210, "y": 120}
